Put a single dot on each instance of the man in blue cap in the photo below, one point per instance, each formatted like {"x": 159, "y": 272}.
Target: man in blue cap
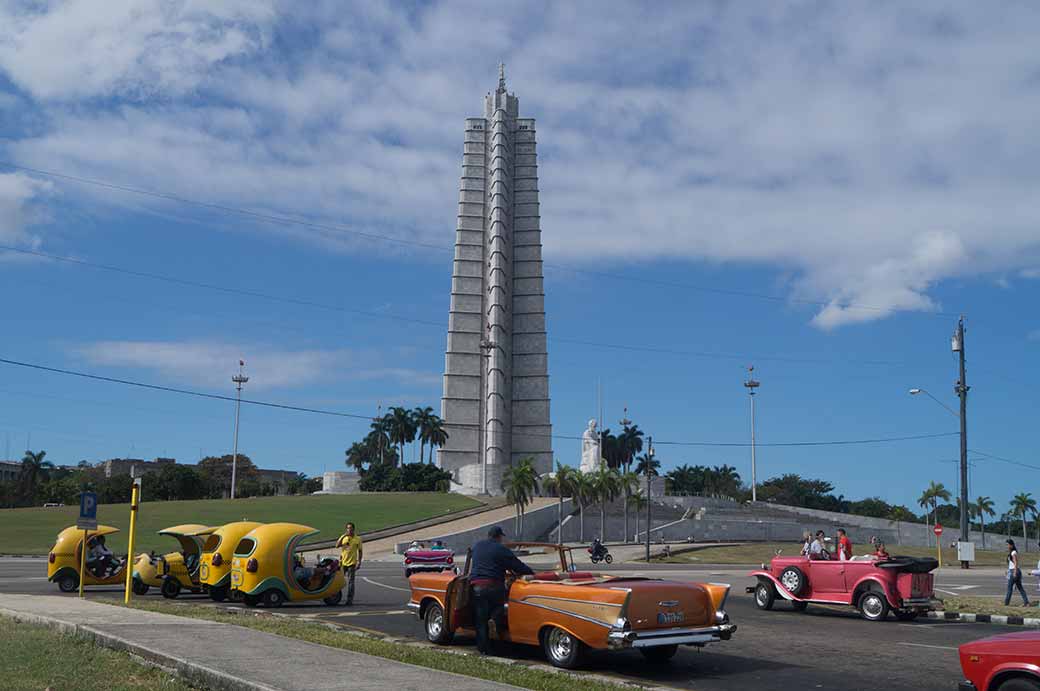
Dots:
{"x": 489, "y": 562}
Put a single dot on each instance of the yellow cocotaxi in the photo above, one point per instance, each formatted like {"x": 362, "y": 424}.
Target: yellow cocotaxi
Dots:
{"x": 176, "y": 570}
{"x": 64, "y": 557}
{"x": 262, "y": 568}
{"x": 217, "y": 552}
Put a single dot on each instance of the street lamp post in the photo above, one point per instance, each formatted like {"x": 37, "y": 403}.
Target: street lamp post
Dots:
{"x": 239, "y": 379}
{"x": 751, "y": 385}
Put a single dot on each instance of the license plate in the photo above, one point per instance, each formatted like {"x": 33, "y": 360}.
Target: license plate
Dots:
{"x": 203, "y": 572}
{"x": 236, "y": 577}
{"x": 664, "y": 618}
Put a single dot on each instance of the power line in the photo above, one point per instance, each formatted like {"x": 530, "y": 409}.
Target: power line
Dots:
{"x": 335, "y": 228}
{"x": 1005, "y": 460}
{"x": 849, "y": 442}
{"x": 400, "y": 318}
{"x": 369, "y": 418}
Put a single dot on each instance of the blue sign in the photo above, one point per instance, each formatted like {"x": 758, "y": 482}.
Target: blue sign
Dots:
{"x": 88, "y": 505}
{"x": 87, "y": 511}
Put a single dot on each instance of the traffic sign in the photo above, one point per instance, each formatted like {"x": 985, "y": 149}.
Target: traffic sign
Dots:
{"x": 937, "y": 529}
{"x": 87, "y": 511}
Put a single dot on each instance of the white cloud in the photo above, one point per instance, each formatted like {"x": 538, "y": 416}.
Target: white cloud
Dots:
{"x": 211, "y": 364}
{"x": 869, "y": 151}
{"x": 20, "y": 208}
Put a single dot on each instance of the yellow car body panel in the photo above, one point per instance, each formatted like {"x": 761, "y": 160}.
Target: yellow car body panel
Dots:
{"x": 271, "y": 547}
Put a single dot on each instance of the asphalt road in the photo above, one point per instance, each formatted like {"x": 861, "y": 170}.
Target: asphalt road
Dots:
{"x": 821, "y": 648}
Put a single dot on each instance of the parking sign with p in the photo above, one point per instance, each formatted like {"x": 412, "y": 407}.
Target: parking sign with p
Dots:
{"x": 87, "y": 511}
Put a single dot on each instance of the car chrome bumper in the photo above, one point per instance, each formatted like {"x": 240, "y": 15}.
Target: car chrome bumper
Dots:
{"x": 646, "y": 639}
{"x": 920, "y": 602}
{"x": 429, "y": 567}
{"x": 966, "y": 686}
{"x": 415, "y": 607}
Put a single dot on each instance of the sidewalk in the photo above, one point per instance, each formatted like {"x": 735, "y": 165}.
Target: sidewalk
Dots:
{"x": 225, "y": 656}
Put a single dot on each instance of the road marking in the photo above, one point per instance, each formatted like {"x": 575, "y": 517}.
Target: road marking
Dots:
{"x": 25, "y": 578}
{"x": 383, "y": 585}
{"x": 925, "y": 645}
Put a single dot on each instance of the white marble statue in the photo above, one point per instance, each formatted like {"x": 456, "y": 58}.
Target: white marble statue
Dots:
{"x": 591, "y": 458}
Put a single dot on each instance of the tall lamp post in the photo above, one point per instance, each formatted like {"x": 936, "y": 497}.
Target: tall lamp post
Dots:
{"x": 239, "y": 379}
{"x": 961, "y": 389}
{"x": 751, "y": 385}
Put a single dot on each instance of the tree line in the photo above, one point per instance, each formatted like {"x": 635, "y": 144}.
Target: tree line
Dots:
{"x": 40, "y": 482}
{"x": 1021, "y": 507}
{"x": 379, "y": 457}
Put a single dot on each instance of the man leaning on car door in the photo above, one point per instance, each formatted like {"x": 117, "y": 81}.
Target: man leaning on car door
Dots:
{"x": 489, "y": 562}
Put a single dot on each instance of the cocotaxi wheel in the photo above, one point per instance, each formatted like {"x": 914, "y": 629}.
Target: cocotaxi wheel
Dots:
{"x": 139, "y": 587}
{"x": 333, "y": 599}
{"x": 171, "y": 588}
{"x": 68, "y": 583}
{"x": 272, "y": 598}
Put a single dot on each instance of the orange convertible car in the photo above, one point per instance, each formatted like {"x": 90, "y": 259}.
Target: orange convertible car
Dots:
{"x": 567, "y": 612}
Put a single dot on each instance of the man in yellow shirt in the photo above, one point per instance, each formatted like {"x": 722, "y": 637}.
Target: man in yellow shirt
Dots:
{"x": 350, "y": 557}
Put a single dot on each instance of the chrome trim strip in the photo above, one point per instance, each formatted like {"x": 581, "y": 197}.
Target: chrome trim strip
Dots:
{"x": 428, "y": 590}
{"x": 570, "y": 599}
{"x": 565, "y": 612}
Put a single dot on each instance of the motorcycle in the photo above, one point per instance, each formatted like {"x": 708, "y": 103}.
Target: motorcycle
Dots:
{"x": 598, "y": 552}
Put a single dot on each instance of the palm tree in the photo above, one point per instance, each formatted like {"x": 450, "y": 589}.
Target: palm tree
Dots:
{"x": 562, "y": 485}
{"x": 378, "y": 438}
{"x": 638, "y": 502}
{"x": 900, "y": 513}
{"x": 1022, "y": 504}
{"x": 983, "y": 507}
{"x": 925, "y": 502}
{"x": 584, "y": 492}
{"x": 644, "y": 460}
{"x": 520, "y": 483}
{"x": 437, "y": 436}
{"x": 630, "y": 443}
{"x": 606, "y": 485}
{"x": 33, "y": 468}
{"x": 628, "y": 482}
{"x": 401, "y": 427}
{"x": 422, "y": 417}
{"x": 931, "y": 496}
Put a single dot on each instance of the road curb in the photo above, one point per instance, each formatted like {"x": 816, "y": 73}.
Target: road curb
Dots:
{"x": 190, "y": 671}
{"x": 1002, "y": 619}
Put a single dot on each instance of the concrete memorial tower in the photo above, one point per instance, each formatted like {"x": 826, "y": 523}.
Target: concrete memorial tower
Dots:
{"x": 496, "y": 371}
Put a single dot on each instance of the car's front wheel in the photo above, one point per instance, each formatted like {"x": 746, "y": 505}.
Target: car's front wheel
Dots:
{"x": 765, "y": 594}
{"x": 436, "y": 625}
{"x": 1019, "y": 684}
{"x": 562, "y": 649}
{"x": 659, "y": 653}
{"x": 873, "y": 606}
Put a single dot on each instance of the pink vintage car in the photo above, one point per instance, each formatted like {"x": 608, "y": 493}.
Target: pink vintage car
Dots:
{"x": 873, "y": 585}
{"x": 418, "y": 558}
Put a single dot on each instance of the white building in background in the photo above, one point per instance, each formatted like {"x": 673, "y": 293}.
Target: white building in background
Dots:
{"x": 496, "y": 372}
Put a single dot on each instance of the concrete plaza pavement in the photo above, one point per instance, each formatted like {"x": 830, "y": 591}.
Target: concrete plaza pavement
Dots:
{"x": 225, "y": 656}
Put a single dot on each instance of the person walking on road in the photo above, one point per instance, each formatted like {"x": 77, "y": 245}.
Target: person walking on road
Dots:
{"x": 1014, "y": 576}
{"x": 490, "y": 561}
{"x": 350, "y": 556}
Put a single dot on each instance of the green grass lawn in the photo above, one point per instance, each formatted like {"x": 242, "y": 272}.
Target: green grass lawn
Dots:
{"x": 994, "y": 605}
{"x": 33, "y": 658}
{"x": 759, "y": 552}
{"x": 448, "y": 660}
{"x": 32, "y": 531}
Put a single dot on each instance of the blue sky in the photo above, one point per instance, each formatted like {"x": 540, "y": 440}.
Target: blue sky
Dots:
{"x": 872, "y": 169}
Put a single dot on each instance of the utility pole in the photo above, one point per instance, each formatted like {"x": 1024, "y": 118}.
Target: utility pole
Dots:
{"x": 649, "y": 501}
{"x": 379, "y": 430}
{"x": 751, "y": 385}
{"x": 239, "y": 379}
{"x": 961, "y": 388}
